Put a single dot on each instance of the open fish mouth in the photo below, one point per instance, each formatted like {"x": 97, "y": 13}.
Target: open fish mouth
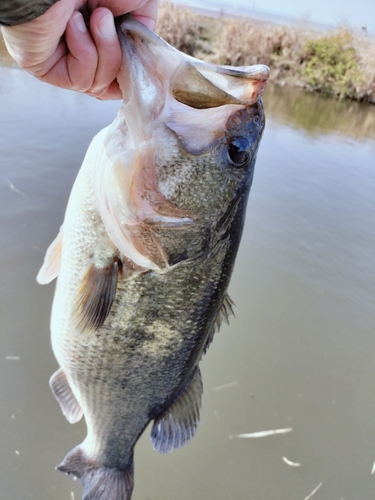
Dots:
{"x": 192, "y": 98}
{"x": 156, "y": 65}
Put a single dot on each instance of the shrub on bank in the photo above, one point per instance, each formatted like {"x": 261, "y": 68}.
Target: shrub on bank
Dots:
{"x": 331, "y": 65}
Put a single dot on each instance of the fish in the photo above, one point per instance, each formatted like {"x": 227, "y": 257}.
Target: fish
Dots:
{"x": 145, "y": 254}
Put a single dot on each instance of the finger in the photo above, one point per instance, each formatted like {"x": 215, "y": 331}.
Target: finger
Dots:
{"x": 103, "y": 31}
{"x": 147, "y": 14}
{"x": 76, "y": 69}
{"x": 147, "y": 21}
{"x": 143, "y": 10}
{"x": 82, "y": 59}
{"x": 34, "y": 42}
{"x": 112, "y": 92}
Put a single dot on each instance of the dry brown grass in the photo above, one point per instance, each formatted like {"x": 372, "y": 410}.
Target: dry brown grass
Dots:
{"x": 244, "y": 43}
{"x": 184, "y": 30}
{"x": 297, "y": 56}
{"x": 365, "y": 50}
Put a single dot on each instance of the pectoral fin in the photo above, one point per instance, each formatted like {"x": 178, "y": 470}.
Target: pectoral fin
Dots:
{"x": 176, "y": 426}
{"x": 96, "y": 295}
{"x": 52, "y": 261}
{"x": 63, "y": 393}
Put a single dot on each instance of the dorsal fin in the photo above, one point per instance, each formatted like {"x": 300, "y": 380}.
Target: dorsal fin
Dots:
{"x": 52, "y": 261}
{"x": 225, "y": 312}
{"x": 95, "y": 295}
{"x": 176, "y": 426}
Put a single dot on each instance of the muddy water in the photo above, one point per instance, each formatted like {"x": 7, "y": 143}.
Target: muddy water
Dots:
{"x": 300, "y": 353}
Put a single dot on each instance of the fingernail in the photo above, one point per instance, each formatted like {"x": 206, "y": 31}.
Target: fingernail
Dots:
{"x": 106, "y": 27}
{"x": 147, "y": 21}
{"x": 79, "y": 22}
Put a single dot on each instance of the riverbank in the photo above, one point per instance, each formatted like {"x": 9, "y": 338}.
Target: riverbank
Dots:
{"x": 338, "y": 62}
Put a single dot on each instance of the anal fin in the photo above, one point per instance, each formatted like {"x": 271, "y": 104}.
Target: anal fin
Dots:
{"x": 96, "y": 295}
{"x": 63, "y": 393}
{"x": 176, "y": 426}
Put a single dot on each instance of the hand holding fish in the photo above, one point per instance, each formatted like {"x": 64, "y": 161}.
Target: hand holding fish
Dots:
{"x": 58, "y": 48}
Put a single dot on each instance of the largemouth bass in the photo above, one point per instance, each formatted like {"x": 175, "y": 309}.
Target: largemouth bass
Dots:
{"x": 146, "y": 252}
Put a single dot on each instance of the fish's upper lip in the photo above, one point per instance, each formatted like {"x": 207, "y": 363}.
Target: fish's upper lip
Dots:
{"x": 256, "y": 71}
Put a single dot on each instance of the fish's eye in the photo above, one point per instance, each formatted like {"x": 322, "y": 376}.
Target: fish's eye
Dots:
{"x": 239, "y": 151}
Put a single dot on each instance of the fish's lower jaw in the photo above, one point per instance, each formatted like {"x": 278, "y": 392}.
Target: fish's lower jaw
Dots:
{"x": 99, "y": 482}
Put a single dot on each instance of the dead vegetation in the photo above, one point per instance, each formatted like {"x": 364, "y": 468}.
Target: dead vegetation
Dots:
{"x": 337, "y": 63}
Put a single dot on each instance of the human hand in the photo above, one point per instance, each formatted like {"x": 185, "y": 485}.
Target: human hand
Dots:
{"x": 83, "y": 60}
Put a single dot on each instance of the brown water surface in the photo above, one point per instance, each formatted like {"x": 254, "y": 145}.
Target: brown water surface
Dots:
{"x": 300, "y": 353}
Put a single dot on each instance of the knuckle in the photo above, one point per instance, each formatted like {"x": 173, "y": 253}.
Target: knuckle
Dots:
{"x": 97, "y": 91}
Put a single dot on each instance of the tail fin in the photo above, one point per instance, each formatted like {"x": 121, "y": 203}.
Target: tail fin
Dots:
{"x": 99, "y": 483}
{"x": 108, "y": 484}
